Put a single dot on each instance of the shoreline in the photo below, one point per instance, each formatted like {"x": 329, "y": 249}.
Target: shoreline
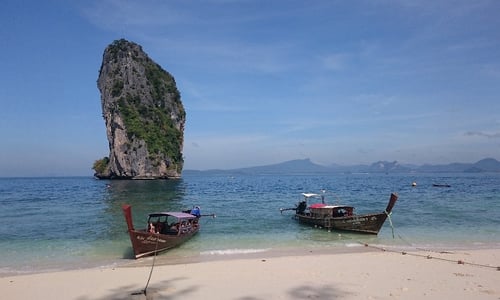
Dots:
{"x": 238, "y": 254}
{"x": 177, "y": 256}
{"x": 367, "y": 274}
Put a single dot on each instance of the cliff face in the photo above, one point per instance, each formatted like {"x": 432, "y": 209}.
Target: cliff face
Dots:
{"x": 143, "y": 113}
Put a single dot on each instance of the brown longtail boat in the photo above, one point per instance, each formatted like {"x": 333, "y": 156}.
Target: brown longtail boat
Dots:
{"x": 340, "y": 217}
{"x": 165, "y": 230}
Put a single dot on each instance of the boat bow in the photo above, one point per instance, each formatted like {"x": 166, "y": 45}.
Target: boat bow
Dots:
{"x": 390, "y": 205}
{"x": 127, "y": 212}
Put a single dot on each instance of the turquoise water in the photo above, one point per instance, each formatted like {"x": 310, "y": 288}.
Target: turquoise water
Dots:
{"x": 77, "y": 222}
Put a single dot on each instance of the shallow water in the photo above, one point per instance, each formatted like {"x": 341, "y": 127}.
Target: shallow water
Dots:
{"x": 76, "y": 222}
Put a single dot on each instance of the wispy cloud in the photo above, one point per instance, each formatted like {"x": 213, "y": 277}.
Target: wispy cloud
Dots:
{"x": 483, "y": 134}
{"x": 335, "y": 61}
{"x": 116, "y": 14}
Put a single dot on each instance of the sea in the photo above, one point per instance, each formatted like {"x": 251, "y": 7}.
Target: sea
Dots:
{"x": 60, "y": 223}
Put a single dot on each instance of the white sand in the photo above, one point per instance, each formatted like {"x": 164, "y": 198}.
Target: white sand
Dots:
{"x": 366, "y": 275}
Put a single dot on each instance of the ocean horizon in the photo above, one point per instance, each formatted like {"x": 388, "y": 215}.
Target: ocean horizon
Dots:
{"x": 54, "y": 223}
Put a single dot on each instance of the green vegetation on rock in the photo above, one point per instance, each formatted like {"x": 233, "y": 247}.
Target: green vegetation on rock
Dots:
{"x": 101, "y": 165}
{"x": 152, "y": 125}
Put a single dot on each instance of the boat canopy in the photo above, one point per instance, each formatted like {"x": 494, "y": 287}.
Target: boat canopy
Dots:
{"x": 179, "y": 215}
{"x": 331, "y": 206}
{"x": 309, "y": 195}
{"x": 339, "y": 206}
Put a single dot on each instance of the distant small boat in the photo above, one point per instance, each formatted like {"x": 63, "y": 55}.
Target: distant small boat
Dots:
{"x": 441, "y": 185}
{"x": 340, "y": 217}
{"x": 165, "y": 230}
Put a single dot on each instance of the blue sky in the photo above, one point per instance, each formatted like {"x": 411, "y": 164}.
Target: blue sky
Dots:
{"x": 262, "y": 82}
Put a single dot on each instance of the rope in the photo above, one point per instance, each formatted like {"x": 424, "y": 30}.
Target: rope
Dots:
{"x": 390, "y": 221}
{"x": 411, "y": 244}
{"x": 460, "y": 261}
{"x": 153, "y": 265}
{"x": 144, "y": 291}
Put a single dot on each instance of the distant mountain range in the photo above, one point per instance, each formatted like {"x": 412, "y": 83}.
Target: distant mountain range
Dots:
{"x": 306, "y": 166}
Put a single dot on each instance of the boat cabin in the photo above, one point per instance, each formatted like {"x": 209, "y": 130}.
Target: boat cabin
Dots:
{"x": 172, "y": 223}
{"x": 320, "y": 210}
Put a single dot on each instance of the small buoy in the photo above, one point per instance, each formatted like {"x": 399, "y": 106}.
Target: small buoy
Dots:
{"x": 414, "y": 184}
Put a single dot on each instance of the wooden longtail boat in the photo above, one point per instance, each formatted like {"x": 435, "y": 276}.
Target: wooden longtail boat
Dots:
{"x": 165, "y": 230}
{"x": 340, "y": 217}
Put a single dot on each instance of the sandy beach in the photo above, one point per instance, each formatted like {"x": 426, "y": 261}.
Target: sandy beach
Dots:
{"x": 375, "y": 274}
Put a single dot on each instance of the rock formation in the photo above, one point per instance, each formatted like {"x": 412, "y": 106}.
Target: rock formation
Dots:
{"x": 144, "y": 116}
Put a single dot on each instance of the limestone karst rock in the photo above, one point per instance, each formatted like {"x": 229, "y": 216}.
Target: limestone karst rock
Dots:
{"x": 144, "y": 116}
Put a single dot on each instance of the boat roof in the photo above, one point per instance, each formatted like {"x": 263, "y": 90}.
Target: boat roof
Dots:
{"x": 332, "y": 206}
{"x": 321, "y": 205}
{"x": 179, "y": 215}
{"x": 309, "y": 195}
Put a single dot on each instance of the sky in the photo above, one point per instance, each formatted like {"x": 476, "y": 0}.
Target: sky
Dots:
{"x": 262, "y": 82}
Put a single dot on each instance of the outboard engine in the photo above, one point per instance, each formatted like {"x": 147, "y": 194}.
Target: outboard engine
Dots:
{"x": 301, "y": 207}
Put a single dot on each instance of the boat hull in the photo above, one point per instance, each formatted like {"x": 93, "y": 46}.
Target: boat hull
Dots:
{"x": 369, "y": 223}
{"x": 145, "y": 243}
{"x": 365, "y": 223}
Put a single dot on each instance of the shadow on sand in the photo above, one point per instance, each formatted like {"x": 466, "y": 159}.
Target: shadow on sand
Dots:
{"x": 166, "y": 290}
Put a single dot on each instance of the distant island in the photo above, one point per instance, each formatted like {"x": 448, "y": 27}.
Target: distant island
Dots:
{"x": 306, "y": 166}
